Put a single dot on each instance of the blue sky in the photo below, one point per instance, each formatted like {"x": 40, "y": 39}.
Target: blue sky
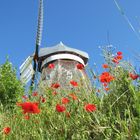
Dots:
{"x": 81, "y": 24}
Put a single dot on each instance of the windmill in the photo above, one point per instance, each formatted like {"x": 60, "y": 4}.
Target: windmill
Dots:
{"x": 64, "y": 58}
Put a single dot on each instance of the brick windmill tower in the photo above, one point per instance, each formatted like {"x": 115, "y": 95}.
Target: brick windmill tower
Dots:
{"x": 57, "y": 64}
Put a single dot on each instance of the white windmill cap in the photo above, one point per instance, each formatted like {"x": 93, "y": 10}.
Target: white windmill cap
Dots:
{"x": 61, "y": 48}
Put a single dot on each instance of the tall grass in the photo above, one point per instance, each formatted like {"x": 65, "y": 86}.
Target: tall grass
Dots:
{"x": 116, "y": 115}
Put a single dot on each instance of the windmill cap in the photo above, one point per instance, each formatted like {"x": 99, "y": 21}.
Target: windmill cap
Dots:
{"x": 61, "y": 48}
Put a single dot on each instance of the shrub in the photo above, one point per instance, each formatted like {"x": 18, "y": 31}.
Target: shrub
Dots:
{"x": 10, "y": 86}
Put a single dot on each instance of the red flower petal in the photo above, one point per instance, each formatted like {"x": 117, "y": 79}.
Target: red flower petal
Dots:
{"x": 133, "y": 76}
{"x": 73, "y": 96}
{"x": 6, "y": 130}
{"x": 107, "y": 89}
{"x": 105, "y": 66}
{"x": 74, "y": 83}
{"x": 42, "y": 99}
{"x": 90, "y": 107}
{"x": 80, "y": 66}
{"x": 30, "y": 107}
{"x": 55, "y": 85}
{"x": 35, "y": 94}
{"x": 106, "y": 77}
{"x": 60, "y": 108}
{"x": 65, "y": 100}
{"x": 119, "y": 57}
{"x": 119, "y": 53}
{"x": 51, "y": 66}
{"x": 115, "y": 61}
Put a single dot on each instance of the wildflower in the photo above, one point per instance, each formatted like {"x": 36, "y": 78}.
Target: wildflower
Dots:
{"x": 65, "y": 100}
{"x": 119, "y": 53}
{"x": 105, "y": 66}
{"x": 34, "y": 94}
{"x": 73, "y": 96}
{"x": 106, "y": 89}
{"x": 42, "y": 99}
{"x": 106, "y": 77}
{"x": 119, "y": 57}
{"x": 51, "y": 66}
{"x": 115, "y": 60}
{"x": 133, "y": 76}
{"x": 6, "y": 130}
{"x": 73, "y": 83}
{"x": 29, "y": 107}
{"x": 25, "y": 97}
{"x": 26, "y": 117}
{"x": 54, "y": 93}
{"x": 105, "y": 84}
{"x": 60, "y": 108}
{"x": 90, "y": 107}
{"x": 80, "y": 66}
{"x": 55, "y": 85}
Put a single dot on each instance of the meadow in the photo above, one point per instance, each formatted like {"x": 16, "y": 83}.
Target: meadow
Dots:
{"x": 110, "y": 111}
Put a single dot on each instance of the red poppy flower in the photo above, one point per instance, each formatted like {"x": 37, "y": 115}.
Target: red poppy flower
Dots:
{"x": 106, "y": 77}
{"x": 133, "y": 76}
{"x": 42, "y": 99}
{"x": 80, "y": 66}
{"x": 119, "y": 57}
{"x": 55, "y": 85}
{"x": 105, "y": 66}
{"x": 34, "y": 94}
{"x": 73, "y": 96}
{"x": 90, "y": 107}
{"x": 74, "y": 83}
{"x": 51, "y": 66}
{"x": 115, "y": 60}
{"x": 119, "y": 53}
{"x": 65, "y": 100}
{"x": 29, "y": 107}
{"x": 60, "y": 108}
{"x": 6, "y": 130}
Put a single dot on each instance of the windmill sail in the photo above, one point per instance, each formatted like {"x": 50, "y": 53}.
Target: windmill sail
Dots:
{"x": 38, "y": 39}
{"x": 26, "y": 70}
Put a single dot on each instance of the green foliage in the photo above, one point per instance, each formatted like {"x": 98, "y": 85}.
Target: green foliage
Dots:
{"x": 10, "y": 86}
{"x": 117, "y": 116}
